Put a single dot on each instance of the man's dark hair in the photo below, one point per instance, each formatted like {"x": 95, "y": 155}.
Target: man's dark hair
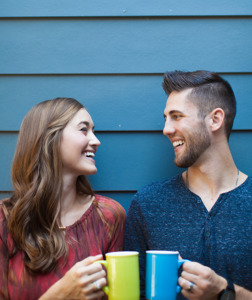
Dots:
{"x": 209, "y": 91}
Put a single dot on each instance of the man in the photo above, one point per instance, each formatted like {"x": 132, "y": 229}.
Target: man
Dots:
{"x": 205, "y": 213}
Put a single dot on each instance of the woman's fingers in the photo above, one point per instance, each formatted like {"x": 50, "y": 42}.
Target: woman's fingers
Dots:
{"x": 92, "y": 277}
{"x": 94, "y": 286}
{"x": 83, "y": 281}
{"x": 89, "y": 260}
{"x": 96, "y": 295}
{"x": 86, "y": 279}
{"x": 89, "y": 270}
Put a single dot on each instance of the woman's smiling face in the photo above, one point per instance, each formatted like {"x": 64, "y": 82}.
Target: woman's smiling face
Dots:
{"x": 78, "y": 145}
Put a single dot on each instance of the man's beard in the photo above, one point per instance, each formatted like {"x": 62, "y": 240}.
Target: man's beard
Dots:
{"x": 196, "y": 143}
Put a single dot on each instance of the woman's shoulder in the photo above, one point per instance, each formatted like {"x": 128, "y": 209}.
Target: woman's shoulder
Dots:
{"x": 109, "y": 206}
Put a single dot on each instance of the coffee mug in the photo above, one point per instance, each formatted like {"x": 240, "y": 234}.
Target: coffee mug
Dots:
{"x": 122, "y": 275}
{"x": 162, "y": 274}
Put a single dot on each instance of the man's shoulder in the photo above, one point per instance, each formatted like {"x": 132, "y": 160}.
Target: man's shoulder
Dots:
{"x": 249, "y": 180}
{"x": 246, "y": 186}
{"x": 244, "y": 191}
{"x": 153, "y": 191}
{"x": 162, "y": 184}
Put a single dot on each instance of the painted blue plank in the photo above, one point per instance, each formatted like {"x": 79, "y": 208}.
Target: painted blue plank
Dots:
{"x": 93, "y": 46}
{"x": 124, "y": 198}
{"x": 7, "y": 149}
{"x": 126, "y": 102}
{"x": 4, "y": 195}
{"x": 128, "y": 161}
{"x": 20, "y": 8}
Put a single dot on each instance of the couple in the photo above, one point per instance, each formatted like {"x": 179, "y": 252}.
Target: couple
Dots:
{"x": 54, "y": 226}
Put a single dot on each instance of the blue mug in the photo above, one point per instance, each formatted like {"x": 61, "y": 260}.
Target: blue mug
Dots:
{"x": 162, "y": 274}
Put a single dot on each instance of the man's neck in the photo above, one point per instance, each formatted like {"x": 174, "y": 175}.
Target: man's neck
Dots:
{"x": 212, "y": 175}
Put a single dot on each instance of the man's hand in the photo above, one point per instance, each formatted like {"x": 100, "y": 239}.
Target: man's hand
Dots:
{"x": 206, "y": 283}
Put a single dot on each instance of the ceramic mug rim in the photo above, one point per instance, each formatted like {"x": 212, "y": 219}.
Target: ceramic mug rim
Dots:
{"x": 122, "y": 253}
{"x": 164, "y": 252}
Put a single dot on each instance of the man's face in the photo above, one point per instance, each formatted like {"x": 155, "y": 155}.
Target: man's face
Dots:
{"x": 187, "y": 132}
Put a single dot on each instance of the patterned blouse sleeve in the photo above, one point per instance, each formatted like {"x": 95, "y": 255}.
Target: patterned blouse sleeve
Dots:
{"x": 117, "y": 218}
{"x": 4, "y": 258}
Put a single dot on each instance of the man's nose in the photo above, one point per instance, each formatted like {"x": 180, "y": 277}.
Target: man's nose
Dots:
{"x": 168, "y": 128}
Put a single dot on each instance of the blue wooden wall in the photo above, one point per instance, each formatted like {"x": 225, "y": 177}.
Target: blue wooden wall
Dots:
{"x": 111, "y": 55}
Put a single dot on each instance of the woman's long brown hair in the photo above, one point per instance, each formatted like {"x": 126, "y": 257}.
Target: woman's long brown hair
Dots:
{"x": 34, "y": 208}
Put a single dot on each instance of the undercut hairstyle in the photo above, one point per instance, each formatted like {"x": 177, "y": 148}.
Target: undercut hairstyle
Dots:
{"x": 33, "y": 211}
{"x": 209, "y": 91}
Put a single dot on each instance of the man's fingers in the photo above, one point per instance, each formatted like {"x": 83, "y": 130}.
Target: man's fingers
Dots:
{"x": 188, "y": 287}
{"x": 189, "y": 276}
{"x": 196, "y": 268}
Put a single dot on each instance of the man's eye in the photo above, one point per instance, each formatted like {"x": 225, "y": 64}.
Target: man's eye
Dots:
{"x": 176, "y": 117}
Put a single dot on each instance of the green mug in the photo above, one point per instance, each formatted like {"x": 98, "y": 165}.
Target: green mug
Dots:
{"x": 122, "y": 275}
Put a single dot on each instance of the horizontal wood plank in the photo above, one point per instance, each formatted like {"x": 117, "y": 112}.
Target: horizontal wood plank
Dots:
{"x": 118, "y": 103}
{"x": 102, "y": 46}
{"x": 32, "y": 8}
{"x": 128, "y": 161}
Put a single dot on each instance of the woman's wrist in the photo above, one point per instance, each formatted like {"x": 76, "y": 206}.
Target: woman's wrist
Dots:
{"x": 55, "y": 292}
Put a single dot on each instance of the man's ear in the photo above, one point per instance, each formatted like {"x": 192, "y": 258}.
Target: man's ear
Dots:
{"x": 216, "y": 119}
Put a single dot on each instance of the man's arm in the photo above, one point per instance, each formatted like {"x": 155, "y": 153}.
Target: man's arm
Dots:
{"x": 242, "y": 293}
{"x": 135, "y": 238}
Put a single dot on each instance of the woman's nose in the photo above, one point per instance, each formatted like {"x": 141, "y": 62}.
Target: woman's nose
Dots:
{"x": 94, "y": 140}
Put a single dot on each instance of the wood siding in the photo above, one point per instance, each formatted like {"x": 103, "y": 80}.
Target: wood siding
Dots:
{"x": 110, "y": 55}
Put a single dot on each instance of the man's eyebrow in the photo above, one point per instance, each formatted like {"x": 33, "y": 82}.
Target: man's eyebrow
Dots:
{"x": 173, "y": 112}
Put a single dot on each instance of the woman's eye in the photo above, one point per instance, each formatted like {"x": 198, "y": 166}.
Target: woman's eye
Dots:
{"x": 84, "y": 129}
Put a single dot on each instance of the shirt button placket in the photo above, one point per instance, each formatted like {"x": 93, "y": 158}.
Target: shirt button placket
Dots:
{"x": 208, "y": 230}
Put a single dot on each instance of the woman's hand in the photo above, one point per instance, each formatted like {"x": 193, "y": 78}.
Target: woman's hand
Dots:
{"x": 83, "y": 281}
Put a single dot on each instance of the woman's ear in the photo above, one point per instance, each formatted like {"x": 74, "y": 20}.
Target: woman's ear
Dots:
{"x": 216, "y": 119}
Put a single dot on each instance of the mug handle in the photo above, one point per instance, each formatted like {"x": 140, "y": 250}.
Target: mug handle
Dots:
{"x": 105, "y": 264}
{"x": 180, "y": 263}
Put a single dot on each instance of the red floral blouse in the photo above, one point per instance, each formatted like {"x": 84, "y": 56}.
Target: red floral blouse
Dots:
{"x": 98, "y": 231}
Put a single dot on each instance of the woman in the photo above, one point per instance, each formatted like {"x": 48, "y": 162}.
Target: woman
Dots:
{"x": 54, "y": 227}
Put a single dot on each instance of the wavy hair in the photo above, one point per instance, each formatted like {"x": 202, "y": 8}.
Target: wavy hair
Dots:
{"x": 34, "y": 208}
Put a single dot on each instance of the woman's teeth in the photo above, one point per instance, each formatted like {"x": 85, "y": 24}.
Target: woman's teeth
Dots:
{"x": 89, "y": 154}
